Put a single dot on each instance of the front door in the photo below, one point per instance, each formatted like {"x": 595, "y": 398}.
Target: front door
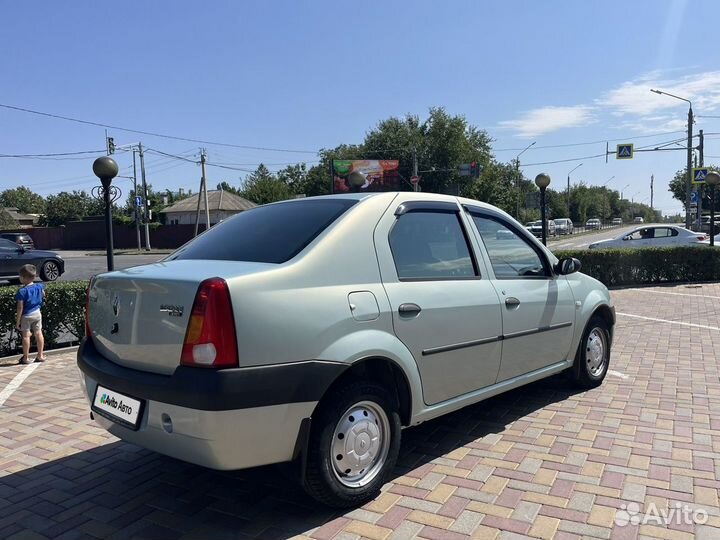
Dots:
{"x": 9, "y": 254}
{"x": 538, "y": 308}
{"x": 444, "y": 310}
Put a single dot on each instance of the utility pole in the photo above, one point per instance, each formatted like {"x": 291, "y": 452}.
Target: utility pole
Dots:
{"x": 205, "y": 195}
{"x": 701, "y": 150}
{"x": 144, "y": 196}
{"x": 415, "y": 167}
{"x": 688, "y": 182}
{"x": 652, "y": 186}
{"x": 135, "y": 205}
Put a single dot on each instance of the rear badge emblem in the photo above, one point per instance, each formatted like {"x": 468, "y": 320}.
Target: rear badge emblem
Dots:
{"x": 116, "y": 304}
{"x": 173, "y": 311}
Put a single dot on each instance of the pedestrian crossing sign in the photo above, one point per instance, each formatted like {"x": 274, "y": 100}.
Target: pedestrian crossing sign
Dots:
{"x": 624, "y": 151}
{"x": 699, "y": 174}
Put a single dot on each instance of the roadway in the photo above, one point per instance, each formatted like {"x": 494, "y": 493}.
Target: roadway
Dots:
{"x": 583, "y": 240}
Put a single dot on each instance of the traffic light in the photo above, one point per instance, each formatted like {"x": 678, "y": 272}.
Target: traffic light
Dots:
{"x": 475, "y": 169}
{"x": 111, "y": 145}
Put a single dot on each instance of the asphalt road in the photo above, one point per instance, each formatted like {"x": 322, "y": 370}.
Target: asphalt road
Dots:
{"x": 582, "y": 241}
{"x": 81, "y": 266}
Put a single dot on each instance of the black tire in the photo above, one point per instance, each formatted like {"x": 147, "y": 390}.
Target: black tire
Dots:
{"x": 50, "y": 270}
{"x": 321, "y": 479}
{"x": 586, "y": 372}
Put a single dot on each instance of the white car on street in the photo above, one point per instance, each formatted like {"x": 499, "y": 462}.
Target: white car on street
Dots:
{"x": 654, "y": 236}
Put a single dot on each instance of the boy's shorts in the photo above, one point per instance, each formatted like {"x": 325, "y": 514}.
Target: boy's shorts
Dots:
{"x": 31, "y": 323}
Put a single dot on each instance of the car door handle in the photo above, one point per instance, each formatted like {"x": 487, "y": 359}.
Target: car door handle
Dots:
{"x": 409, "y": 309}
{"x": 512, "y": 302}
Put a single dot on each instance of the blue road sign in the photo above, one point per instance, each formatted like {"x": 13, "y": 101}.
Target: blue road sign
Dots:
{"x": 699, "y": 174}
{"x": 625, "y": 151}
{"x": 694, "y": 197}
{"x": 138, "y": 200}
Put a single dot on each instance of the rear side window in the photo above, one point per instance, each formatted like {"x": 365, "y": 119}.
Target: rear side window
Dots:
{"x": 268, "y": 234}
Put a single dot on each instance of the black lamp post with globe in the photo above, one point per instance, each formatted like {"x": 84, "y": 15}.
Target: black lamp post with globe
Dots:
{"x": 712, "y": 179}
{"x": 106, "y": 169}
{"x": 542, "y": 181}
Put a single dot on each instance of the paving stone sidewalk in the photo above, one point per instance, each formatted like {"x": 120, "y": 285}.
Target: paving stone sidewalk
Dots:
{"x": 541, "y": 462}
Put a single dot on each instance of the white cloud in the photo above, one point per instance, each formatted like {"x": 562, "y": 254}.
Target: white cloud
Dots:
{"x": 640, "y": 110}
{"x": 547, "y": 119}
{"x": 634, "y": 97}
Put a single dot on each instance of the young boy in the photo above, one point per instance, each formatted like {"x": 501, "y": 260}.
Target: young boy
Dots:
{"x": 29, "y": 319}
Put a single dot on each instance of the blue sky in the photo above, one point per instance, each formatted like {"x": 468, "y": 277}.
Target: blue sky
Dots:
{"x": 303, "y": 75}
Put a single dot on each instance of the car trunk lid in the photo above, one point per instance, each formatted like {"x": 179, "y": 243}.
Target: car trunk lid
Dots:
{"x": 138, "y": 316}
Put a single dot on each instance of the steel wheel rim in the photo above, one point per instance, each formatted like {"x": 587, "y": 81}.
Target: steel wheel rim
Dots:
{"x": 595, "y": 352}
{"x": 360, "y": 444}
{"x": 51, "y": 271}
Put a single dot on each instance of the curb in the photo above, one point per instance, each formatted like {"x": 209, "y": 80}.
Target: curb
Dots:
{"x": 11, "y": 360}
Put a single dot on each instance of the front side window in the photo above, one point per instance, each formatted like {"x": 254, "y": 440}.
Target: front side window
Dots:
{"x": 431, "y": 245}
{"x": 511, "y": 256}
{"x": 641, "y": 234}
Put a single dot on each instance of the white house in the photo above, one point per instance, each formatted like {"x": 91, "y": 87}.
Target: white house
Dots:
{"x": 222, "y": 205}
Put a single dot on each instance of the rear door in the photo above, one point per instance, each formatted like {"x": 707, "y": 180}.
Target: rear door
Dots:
{"x": 445, "y": 309}
{"x": 538, "y": 308}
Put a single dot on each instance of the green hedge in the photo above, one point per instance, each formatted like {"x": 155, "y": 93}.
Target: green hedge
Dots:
{"x": 63, "y": 315}
{"x": 616, "y": 267}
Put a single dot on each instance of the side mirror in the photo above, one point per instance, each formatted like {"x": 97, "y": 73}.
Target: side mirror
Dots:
{"x": 21, "y": 249}
{"x": 627, "y": 237}
{"x": 568, "y": 265}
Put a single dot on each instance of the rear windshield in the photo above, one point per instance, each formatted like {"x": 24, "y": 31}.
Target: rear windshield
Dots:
{"x": 269, "y": 234}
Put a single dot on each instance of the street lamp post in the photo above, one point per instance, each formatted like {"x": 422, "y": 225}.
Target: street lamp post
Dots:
{"x": 106, "y": 169}
{"x": 517, "y": 168}
{"x": 568, "y": 189}
{"x": 542, "y": 181}
{"x": 688, "y": 181}
{"x": 712, "y": 179}
{"x": 623, "y": 189}
{"x": 608, "y": 181}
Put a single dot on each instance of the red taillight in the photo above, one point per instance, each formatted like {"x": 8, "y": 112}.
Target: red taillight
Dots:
{"x": 701, "y": 238}
{"x": 88, "y": 333}
{"x": 210, "y": 339}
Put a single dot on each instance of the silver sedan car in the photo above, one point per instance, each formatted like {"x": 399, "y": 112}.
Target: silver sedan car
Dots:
{"x": 315, "y": 330}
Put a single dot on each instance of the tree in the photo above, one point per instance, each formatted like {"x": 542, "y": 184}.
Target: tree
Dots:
{"x": 262, "y": 187}
{"x": 6, "y": 220}
{"x": 678, "y": 182}
{"x": 65, "y": 207}
{"x": 24, "y": 199}
{"x": 227, "y": 187}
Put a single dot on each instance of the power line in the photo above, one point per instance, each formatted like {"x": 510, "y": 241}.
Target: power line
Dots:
{"x": 567, "y": 145}
{"x": 56, "y": 155}
{"x": 154, "y": 134}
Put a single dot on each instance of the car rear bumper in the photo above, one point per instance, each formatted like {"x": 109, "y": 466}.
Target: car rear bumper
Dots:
{"x": 222, "y": 419}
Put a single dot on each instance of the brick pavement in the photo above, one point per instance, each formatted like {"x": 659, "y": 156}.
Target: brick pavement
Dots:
{"x": 541, "y": 462}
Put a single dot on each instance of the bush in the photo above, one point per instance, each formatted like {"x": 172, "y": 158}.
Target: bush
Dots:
{"x": 63, "y": 315}
{"x": 616, "y": 267}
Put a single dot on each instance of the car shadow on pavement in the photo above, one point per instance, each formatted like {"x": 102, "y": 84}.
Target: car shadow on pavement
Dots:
{"x": 121, "y": 491}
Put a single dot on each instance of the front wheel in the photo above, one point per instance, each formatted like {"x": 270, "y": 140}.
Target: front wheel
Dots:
{"x": 354, "y": 444}
{"x": 49, "y": 271}
{"x": 593, "y": 355}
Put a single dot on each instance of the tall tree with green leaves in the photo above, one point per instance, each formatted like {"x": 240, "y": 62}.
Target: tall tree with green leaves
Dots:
{"x": 24, "y": 199}
{"x": 263, "y": 187}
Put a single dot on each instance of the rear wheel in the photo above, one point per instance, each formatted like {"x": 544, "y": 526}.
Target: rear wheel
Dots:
{"x": 593, "y": 355}
{"x": 354, "y": 443}
{"x": 49, "y": 271}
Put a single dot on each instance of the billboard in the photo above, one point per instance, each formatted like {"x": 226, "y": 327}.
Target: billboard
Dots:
{"x": 356, "y": 175}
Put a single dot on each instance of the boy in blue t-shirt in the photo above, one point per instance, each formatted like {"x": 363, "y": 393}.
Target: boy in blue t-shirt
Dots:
{"x": 29, "y": 319}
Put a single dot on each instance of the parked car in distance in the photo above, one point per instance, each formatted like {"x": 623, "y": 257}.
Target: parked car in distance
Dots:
{"x": 50, "y": 265}
{"x": 564, "y": 226}
{"x": 395, "y": 308}
{"x": 638, "y": 219}
{"x": 617, "y": 221}
{"x": 593, "y": 223}
{"x": 535, "y": 228}
{"x": 21, "y": 239}
{"x": 705, "y": 224}
{"x": 654, "y": 236}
